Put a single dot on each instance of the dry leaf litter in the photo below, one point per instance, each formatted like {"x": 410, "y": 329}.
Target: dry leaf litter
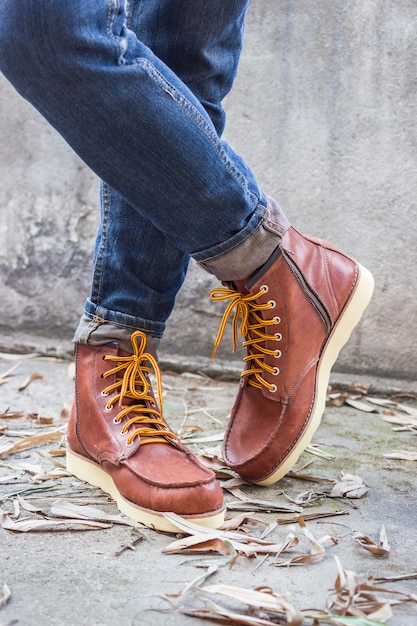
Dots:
{"x": 37, "y": 494}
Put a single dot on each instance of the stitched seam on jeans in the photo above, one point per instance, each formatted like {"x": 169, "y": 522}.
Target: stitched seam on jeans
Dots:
{"x": 194, "y": 114}
{"x": 101, "y": 252}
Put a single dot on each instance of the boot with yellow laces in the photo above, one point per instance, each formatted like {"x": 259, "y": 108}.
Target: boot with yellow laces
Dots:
{"x": 119, "y": 441}
{"x": 295, "y": 314}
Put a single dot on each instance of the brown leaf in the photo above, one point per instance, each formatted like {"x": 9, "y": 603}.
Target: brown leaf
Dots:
{"x": 238, "y": 521}
{"x": 317, "y": 550}
{"x": 262, "y": 598}
{"x": 382, "y": 548}
{"x": 310, "y": 516}
{"x": 29, "y": 379}
{"x": 29, "y": 442}
{"x": 11, "y": 415}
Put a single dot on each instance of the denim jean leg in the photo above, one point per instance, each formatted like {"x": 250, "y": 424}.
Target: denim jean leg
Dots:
{"x": 135, "y": 123}
{"x": 126, "y": 293}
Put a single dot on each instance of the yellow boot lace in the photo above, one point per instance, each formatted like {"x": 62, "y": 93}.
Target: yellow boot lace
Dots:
{"x": 252, "y": 328}
{"x": 134, "y": 384}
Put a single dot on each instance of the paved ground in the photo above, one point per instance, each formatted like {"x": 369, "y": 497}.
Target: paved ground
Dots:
{"x": 71, "y": 575}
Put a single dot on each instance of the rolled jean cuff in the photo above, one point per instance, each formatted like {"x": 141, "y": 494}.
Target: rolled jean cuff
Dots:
{"x": 96, "y": 329}
{"x": 241, "y": 255}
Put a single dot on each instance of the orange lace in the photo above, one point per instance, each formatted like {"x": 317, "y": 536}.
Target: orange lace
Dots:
{"x": 135, "y": 384}
{"x": 252, "y": 326}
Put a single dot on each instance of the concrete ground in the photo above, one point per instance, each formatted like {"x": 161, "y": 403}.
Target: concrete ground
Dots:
{"x": 70, "y": 575}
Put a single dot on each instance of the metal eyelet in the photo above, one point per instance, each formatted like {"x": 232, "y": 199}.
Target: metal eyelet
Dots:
{"x": 278, "y": 336}
{"x": 116, "y": 421}
{"x": 130, "y": 443}
{"x": 272, "y": 304}
{"x": 265, "y": 288}
{"x": 276, "y": 319}
{"x": 273, "y": 389}
{"x": 277, "y": 354}
{"x": 276, "y": 371}
{"x": 104, "y": 394}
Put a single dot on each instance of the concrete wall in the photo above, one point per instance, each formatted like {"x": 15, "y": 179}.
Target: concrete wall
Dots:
{"x": 324, "y": 110}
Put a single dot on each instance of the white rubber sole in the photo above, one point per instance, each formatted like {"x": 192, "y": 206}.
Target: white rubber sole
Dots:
{"x": 91, "y": 473}
{"x": 340, "y": 335}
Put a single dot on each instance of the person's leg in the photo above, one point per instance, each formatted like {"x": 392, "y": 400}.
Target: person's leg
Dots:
{"x": 127, "y": 293}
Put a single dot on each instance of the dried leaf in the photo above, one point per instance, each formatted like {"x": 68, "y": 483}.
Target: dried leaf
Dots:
{"x": 29, "y": 442}
{"x": 360, "y": 406}
{"x": 396, "y": 418}
{"x": 199, "y": 535}
{"x": 361, "y": 601}
{"x": 6, "y": 595}
{"x": 382, "y": 548}
{"x": 62, "y": 508}
{"x": 11, "y": 415}
{"x": 219, "y": 612}
{"x": 309, "y": 477}
{"x": 314, "y": 449}
{"x": 390, "y": 579}
{"x": 27, "y": 506}
{"x": 311, "y": 516}
{"x": 402, "y": 455}
{"x": 30, "y": 525}
{"x": 29, "y": 379}
{"x": 263, "y": 598}
{"x": 244, "y": 503}
{"x": 405, "y": 408}
{"x": 317, "y": 550}
{"x": 350, "y": 486}
{"x": 238, "y": 521}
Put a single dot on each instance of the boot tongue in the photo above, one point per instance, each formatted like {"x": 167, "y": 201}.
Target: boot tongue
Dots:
{"x": 240, "y": 285}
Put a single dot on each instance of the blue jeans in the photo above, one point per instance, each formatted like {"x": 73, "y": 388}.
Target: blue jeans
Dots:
{"x": 136, "y": 88}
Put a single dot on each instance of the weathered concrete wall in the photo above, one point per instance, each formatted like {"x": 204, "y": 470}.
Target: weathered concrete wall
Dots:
{"x": 324, "y": 111}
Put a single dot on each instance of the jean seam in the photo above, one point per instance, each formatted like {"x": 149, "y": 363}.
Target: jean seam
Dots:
{"x": 101, "y": 320}
{"x": 196, "y": 116}
{"x": 101, "y": 252}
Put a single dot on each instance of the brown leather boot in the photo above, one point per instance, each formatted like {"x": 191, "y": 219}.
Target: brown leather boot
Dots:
{"x": 119, "y": 441}
{"x": 295, "y": 314}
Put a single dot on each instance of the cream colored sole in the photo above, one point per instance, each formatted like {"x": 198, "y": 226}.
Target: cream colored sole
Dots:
{"x": 90, "y": 472}
{"x": 340, "y": 335}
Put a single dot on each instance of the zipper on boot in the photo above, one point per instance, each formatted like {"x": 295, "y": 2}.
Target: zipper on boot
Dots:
{"x": 312, "y": 296}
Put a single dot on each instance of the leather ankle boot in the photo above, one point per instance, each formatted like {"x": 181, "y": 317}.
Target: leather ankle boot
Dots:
{"x": 295, "y": 315}
{"x": 119, "y": 441}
